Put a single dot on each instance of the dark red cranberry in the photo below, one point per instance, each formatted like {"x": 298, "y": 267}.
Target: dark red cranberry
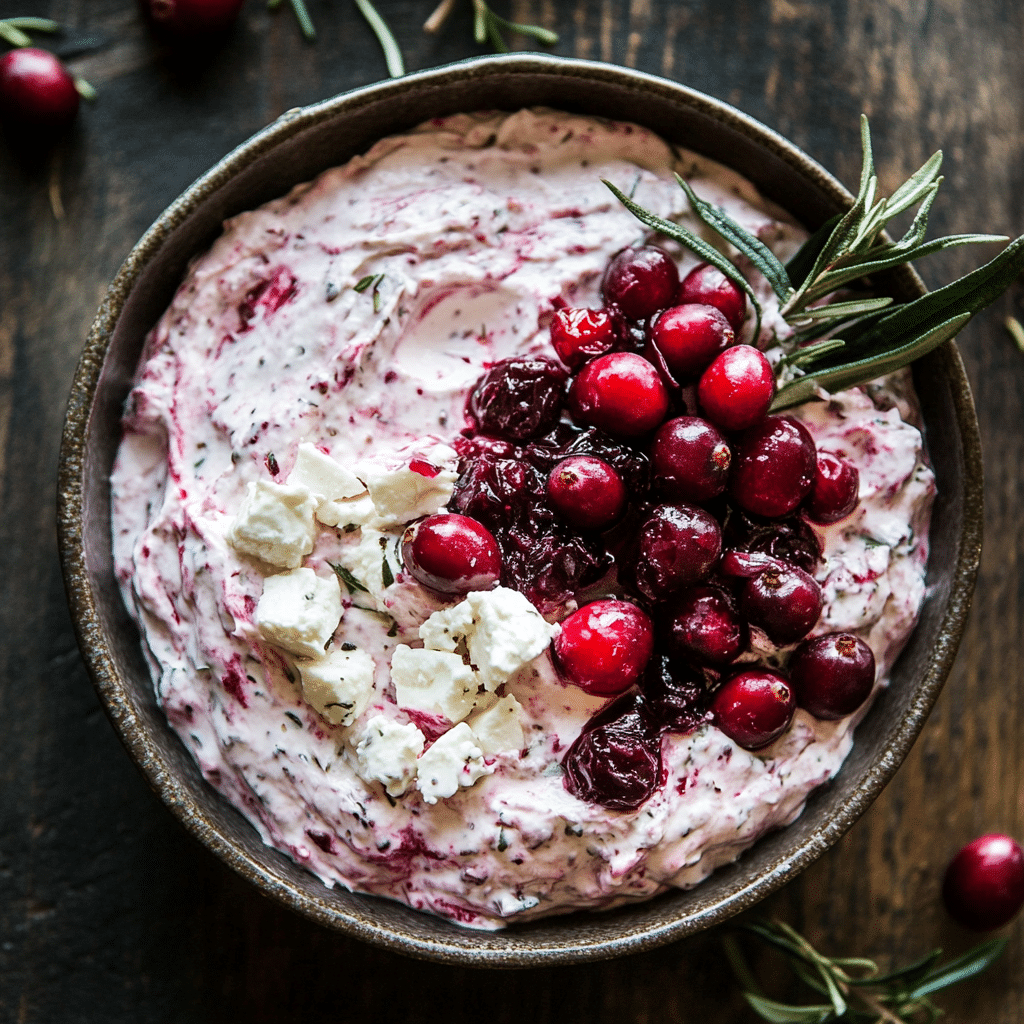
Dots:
{"x": 451, "y": 554}
{"x": 630, "y": 463}
{"x": 641, "y": 281}
{"x": 579, "y": 335}
{"x": 674, "y": 695}
{"x": 702, "y": 624}
{"x": 616, "y": 760}
{"x": 622, "y": 393}
{"x": 604, "y": 646}
{"x": 192, "y": 19}
{"x": 690, "y": 459}
{"x": 753, "y": 707}
{"x": 709, "y": 285}
{"x": 36, "y": 91}
{"x": 518, "y": 397}
{"x": 783, "y": 600}
{"x": 676, "y": 546}
{"x": 587, "y": 491}
{"x": 736, "y": 390}
{"x": 690, "y": 337}
{"x": 834, "y": 491}
{"x": 773, "y": 467}
{"x": 984, "y": 884}
{"x": 832, "y": 675}
{"x": 790, "y": 539}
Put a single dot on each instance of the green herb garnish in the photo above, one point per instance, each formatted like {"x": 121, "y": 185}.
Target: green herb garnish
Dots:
{"x": 385, "y": 572}
{"x": 348, "y": 579}
{"x": 392, "y": 54}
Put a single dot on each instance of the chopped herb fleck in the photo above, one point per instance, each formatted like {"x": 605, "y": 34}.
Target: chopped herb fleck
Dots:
{"x": 347, "y": 578}
{"x": 295, "y": 718}
{"x": 348, "y": 647}
{"x": 386, "y": 574}
{"x": 502, "y": 841}
{"x": 363, "y": 283}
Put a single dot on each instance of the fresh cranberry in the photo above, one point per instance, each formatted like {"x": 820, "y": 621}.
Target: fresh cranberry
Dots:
{"x": 690, "y": 337}
{"x": 790, "y": 539}
{"x": 690, "y": 459}
{"x": 832, "y": 675}
{"x": 834, "y": 491}
{"x": 451, "y": 554}
{"x": 702, "y": 624}
{"x": 753, "y": 707}
{"x": 783, "y": 600}
{"x": 773, "y": 467}
{"x": 587, "y": 491}
{"x": 604, "y": 646}
{"x": 736, "y": 390}
{"x": 581, "y": 334}
{"x": 674, "y": 695}
{"x": 192, "y": 19}
{"x": 676, "y": 546}
{"x": 518, "y": 397}
{"x": 709, "y": 285}
{"x": 616, "y": 760}
{"x": 984, "y": 884}
{"x": 641, "y": 281}
{"x": 36, "y": 91}
{"x": 621, "y": 393}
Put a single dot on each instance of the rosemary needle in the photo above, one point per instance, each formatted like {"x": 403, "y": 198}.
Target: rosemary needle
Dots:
{"x": 392, "y": 54}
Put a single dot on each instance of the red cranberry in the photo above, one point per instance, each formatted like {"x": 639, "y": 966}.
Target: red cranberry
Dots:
{"x": 581, "y": 334}
{"x": 834, "y": 491}
{"x": 616, "y": 760}
{"x": 676, "y": 545}
{"x": 518, "y": 397}
{"x": 621, "y": 393}
{"x": 832, "y": 675}
{"x": 773, "y": 467}
{"x": 702, "y": 624}
{"x": 783, "y": 600}
{"x": 641, "y": 281}
{"x": 984, "y": 884}
{"x": 604, "y": 646}
{"x": 690, "y": 459}
{"x": 192, "y": 19}
{"x": 587, "y": 491}
{"x": 753, "y": 708}
{"x": 737, "y": 388}
{"x": 709, "y": 285}
{"x": 674, "y": 695}
{"x": 451, "y": 554}
{"x": 36, "y": 91}
{"x": 690, "y": 337}
{"x": 790, "y": 539}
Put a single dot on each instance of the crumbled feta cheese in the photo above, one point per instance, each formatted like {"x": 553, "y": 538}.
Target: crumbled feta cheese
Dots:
{"x": 454, "y": 760}
{"x": 387, "y": 753}
{"x": 498, "y": 728}
{"x": 502, "y": 631}
{"x": 434, "y": 681}
{"x": 339, "y": 686}
{"x": 275, "y": 524}
{"x": 331, "y": 484}
{"x": 299, "y": 611}
{"x": 365, "y": 561}
{"x": 419, "y": 487}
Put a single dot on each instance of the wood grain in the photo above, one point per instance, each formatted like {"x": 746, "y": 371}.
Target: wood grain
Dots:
{"x": 108, "y": 911}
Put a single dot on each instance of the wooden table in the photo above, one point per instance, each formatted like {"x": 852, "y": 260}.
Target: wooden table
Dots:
{"x": 109, "y": 911}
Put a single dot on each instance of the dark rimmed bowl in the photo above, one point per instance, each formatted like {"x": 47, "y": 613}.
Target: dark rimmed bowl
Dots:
{"x": 295, "y": 148}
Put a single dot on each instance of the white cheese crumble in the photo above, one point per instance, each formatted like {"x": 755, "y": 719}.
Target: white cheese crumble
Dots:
{"x": 455, "y": 759}
{"x": 433, "y": 681}
{"x": 330, "y": 483}
{"x": 387, "y": 753}
{"x": 299, "y": 611}
{"x": 275, "y": 524}
{"x": 339, "y": 686}
{"x": 402, "y": 493}
{"x": 498, "y": 728}
{"x": 365, "y": 561}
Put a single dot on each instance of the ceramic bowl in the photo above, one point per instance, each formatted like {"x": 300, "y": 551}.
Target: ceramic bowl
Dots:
{"x": 295, "y": 148}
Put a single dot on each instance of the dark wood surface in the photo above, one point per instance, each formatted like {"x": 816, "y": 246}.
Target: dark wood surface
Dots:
{"x": 108, "y": 910}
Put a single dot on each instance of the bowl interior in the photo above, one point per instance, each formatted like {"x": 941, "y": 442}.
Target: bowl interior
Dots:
{"x": 295, "y": 149}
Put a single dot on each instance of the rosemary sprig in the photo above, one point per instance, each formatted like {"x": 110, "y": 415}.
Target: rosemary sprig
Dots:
{"x": 488, "y": 27}
{"x": 14, "y": 31}
{"x": 852, "y": 988}
{"x": 392, "y": 54}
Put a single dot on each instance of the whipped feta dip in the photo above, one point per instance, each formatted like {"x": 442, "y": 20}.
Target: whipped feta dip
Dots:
{"x": 293, "y": 411}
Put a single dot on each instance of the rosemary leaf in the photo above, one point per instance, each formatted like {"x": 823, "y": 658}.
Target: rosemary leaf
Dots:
{"x": 973, "y": 962}
{"x": 908, "y": 975}
{"x": 347, "y": 578}
{"x": 304, "y": 20}
{"x": 538, "y": 32}
{"x": 1016, "y": 331}
{"x": 33, "y": 24}
{"x": 836, "y": 311}
{"x": 12, "y": 34}
{"x": 363, "y": 283}
{"x": 783, "y": 1013}
{"x": 801, "y": 264}
{"x": 392, "y": 54}
{"x": 914, "y": 188}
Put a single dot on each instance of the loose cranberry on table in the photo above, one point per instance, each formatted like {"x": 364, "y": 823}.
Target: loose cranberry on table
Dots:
{"x": 641, "y": 281}
{"x": 518, "y": 398}
{"x": 689, "y": 338}
{"x": 709, "y": 285}
{"x": 192, "y": 19}
{"x": 37, "y": 92}
{"x": 832, "y": 675}
{"x": 605, "y": 646}
{"x": 702, "y": 624}
{"x": 783, "y": 600}
{"x": 690, "y": 459}
{"x": 984, "y": 883}
{"x": 753, "y": 708}
{"x": 587, "y": 491}
{"x": 582, "y": 334}
{"x": 773, "y": 467}
{"x": 834, "y": 491}
{"x": 736, "y": 390}
{"x": 676, "y": 546}
{"x": 621, "y": 393}
{"x": 451, "y": 554}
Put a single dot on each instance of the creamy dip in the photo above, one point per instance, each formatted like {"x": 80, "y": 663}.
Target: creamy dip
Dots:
{"x": 353, "y": 315}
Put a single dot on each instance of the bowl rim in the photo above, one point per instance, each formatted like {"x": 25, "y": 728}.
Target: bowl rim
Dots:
{"x": 474, "y": 949}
